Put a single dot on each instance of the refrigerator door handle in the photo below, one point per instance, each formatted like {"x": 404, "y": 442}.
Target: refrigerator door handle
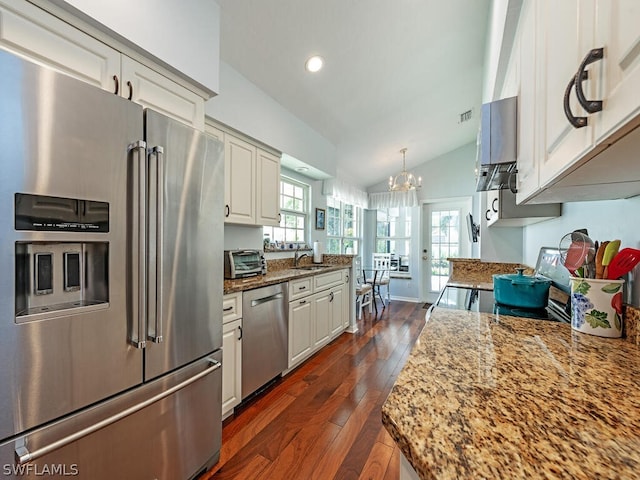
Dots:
{"x": 23, "y": 455}
{"x": 138, "y": 239}
{"x": 156, "y": 243}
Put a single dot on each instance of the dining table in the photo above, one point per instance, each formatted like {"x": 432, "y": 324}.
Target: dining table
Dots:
{"x": 371, "y": 276}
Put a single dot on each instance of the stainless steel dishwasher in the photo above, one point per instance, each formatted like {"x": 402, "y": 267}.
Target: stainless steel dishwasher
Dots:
{"x": 265, "y": 332}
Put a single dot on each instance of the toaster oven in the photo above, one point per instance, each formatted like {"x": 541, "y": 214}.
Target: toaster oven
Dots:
{"x": 243, "y": 263}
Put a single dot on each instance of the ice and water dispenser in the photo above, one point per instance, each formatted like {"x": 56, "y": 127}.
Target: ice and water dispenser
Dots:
{"x": 54, "y": 272}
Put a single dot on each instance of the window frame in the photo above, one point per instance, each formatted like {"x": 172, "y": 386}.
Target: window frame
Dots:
{"x": 405, "y": 215}
{"x": 303, "y": 214}
{"x": 344, "y": 241}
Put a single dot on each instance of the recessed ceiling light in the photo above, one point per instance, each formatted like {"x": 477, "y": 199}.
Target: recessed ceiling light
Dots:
{"x": 313, "y": 64}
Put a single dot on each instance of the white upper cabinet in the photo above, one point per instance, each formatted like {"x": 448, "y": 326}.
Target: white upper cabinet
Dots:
{"x": 268, "y": 207}
{"x": 618, "y": 31}
{"x": 32, "y": 33}
{"x": 529, "y": 113}
{"x": 251, "y": 179}
{"x": 166, "y": 31}
{"x": 566, "y": 39}
{"x": 240, "y": 181}
{"x": 151, "y": 89}
{"x": 575, "y": 148}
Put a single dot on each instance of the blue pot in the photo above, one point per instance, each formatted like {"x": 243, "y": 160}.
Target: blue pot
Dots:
{"x": 523, "y": 291}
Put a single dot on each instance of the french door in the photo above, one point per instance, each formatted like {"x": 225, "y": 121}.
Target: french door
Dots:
{"x": 444, "y": 236}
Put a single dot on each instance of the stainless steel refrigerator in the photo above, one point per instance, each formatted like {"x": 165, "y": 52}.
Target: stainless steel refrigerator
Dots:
{"x": 110, "y": 284}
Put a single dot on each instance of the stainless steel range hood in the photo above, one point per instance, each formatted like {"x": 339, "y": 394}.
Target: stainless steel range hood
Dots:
{"x": 498, "y": 145}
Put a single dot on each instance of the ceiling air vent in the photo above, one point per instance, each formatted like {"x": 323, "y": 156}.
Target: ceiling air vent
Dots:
{"x": 465, "y": 116}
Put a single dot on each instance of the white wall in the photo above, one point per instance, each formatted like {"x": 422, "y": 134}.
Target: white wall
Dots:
{"x": 605, "y": 220}
{"x": 246, "y": 108}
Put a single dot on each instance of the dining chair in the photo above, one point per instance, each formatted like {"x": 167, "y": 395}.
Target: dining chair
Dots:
{"x": 364, "y": 295}
{"x": 382, "y": 265}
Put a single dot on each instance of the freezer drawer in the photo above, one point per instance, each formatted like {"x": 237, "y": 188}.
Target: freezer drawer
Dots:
{"x": 172, "y": 438}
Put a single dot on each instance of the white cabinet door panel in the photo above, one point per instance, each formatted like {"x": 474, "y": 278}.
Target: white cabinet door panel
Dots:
{"x": 268, "y": 189}
{"x": 301, "y": 315}
{"x": 240, "y": 181}
{"x": 567, "y": 40}
{"x": 231, "y": 365}
{"x": 618, "y": 32}
{"x": 150, "y": 89}
{"x": 34, "y": 34}
{"x": 323, "y": 310}
{"x": 338, "y": 309}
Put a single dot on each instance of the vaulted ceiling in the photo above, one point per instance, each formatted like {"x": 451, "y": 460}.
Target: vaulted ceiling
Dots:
{"x": 398, "y": 73}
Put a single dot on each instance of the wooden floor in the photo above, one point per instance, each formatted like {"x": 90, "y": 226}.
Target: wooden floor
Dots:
{"x": 322, "y": 421}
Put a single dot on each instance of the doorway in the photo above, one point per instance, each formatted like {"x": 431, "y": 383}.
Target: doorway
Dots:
{"x": 444, "y": 235}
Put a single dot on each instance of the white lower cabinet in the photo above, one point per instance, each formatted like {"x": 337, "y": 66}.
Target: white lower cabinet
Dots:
{"x": 231, "y": 353}
{"x": 318, "y": 312}
{"x": 322, "y": 306}
{"x": 300, "y": 324}
{"x": 339, "y": 310}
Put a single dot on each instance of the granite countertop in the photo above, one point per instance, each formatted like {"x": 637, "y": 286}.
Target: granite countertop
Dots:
{"x": 484, "y": 396}
{"x": 282, "y": 270}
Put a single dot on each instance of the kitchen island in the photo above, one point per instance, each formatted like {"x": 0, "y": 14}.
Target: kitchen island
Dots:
{"x": 486, "y": 396}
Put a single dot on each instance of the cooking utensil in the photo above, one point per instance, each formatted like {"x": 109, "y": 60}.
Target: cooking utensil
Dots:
{"x": 623, "y": 262}
{"x": 576, "y": 250}
{"x": 610, "y": 252}
{"x": 523, "y": 291}
{"x": 599, "y": 257}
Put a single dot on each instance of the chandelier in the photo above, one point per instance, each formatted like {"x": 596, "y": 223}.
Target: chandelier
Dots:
{"x": 404, "y": 181}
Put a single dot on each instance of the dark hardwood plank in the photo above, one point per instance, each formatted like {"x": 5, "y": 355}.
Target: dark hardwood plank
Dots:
{"x": 322, "y": 420}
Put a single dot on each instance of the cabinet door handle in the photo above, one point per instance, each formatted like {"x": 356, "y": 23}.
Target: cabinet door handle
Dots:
{"x": 115, "y": 79}
{"x": 512, "y": 187}
{"x": 487, "y": 215}
{"x": 591, "y": 106}
{"x": 227, "y": 210}
{"x": 331, "y": 297}
{"x": 130, "y": 85}
{"x": 493, "y": 205}
{"x": 576, "y": 122}
{"x": 240, "y": 330}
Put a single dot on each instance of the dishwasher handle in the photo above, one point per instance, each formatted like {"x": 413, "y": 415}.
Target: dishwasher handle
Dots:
{"x": 270, "y": 298}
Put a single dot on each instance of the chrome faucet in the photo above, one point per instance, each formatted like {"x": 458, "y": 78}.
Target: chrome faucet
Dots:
{"x": 297, "y": 257}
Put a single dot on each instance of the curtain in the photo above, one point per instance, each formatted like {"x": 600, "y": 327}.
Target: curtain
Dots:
{"x": 345, "y": 193}
{"x": 393, "y": 199}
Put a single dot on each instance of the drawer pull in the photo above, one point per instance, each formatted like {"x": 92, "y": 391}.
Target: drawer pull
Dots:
{"x": 227, "y": 309}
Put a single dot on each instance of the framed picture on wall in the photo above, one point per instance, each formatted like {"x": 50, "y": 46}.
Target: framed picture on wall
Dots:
{"x": 320, "y": 214}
